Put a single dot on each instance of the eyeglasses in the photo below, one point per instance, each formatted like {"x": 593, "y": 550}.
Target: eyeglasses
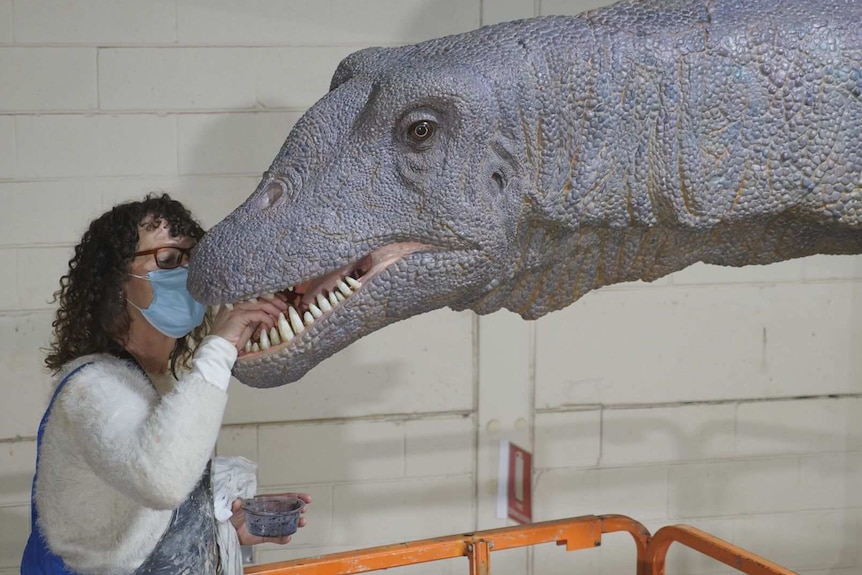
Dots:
{"x": 167, "y": 257}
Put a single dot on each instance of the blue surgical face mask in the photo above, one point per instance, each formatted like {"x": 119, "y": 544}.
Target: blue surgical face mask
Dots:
{"x": 173, "y": 311}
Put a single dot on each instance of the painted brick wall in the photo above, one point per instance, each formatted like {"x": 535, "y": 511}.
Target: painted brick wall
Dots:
{"x": 728, "y": 399}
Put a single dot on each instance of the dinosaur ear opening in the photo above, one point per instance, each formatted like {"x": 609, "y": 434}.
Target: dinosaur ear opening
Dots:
{"x": 500, "y": 181}
{"x": 502, "y": 164}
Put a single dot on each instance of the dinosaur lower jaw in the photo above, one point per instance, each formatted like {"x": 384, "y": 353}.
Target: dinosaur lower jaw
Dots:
{"x": 320, "y": 299}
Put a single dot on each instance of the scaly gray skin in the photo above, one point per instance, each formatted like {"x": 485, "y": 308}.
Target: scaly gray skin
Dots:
{"x": 567, "y": 153}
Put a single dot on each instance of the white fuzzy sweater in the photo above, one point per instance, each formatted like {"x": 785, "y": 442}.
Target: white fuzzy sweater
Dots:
{"x": 118, "y": 456}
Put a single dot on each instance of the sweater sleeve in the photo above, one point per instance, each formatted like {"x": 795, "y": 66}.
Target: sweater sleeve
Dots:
{"x": 152, "y": 449}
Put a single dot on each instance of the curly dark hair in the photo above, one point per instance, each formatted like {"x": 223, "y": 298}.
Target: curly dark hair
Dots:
{"x": 92, "y": 316}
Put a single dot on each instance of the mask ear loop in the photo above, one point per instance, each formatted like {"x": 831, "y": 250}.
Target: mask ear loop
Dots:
{"x": 127, "y": 297}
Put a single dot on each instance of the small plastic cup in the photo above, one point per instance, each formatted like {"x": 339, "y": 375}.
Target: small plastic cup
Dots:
{"x": 272, "y": 515}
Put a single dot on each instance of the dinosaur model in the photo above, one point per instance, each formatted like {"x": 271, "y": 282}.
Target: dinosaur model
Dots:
{"x": 523, "y": 164}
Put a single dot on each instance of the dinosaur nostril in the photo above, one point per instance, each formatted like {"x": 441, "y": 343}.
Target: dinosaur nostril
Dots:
{"x": 273, "y": 195}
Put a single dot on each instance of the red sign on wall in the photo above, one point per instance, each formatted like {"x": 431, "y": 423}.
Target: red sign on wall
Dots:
{"x": 519, "y": 485}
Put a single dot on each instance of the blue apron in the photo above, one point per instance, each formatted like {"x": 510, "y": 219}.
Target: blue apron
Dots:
{"x": 188, "y": 546}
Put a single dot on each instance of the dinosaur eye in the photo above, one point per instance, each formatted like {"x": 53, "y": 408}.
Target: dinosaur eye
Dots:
{"x": 421, "y": 131}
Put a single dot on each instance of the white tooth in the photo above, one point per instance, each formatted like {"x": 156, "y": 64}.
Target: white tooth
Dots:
{"x": 353, "y": 283}
{"x": 264, "y": 339}
{"x": 251, "y": 300}
{"x": 315, "y": 311}
{"x": 323, "y": 303}
{"x": 290, "y": 288}
{"x": 273, "y": 336}
{"x": 255, "y": 348}
{"x": 339, "y": 296}
{"x": 308, "y": 318}
{"x": 229, "y": 306}
{"x": 342, "y": 287}
{"x": 248, "y": 345}
{"x": 269, "y": 295}
{"x": 284, "y": 329}
{"x": 295, "y": 320}
{"x": 334, "y": 300}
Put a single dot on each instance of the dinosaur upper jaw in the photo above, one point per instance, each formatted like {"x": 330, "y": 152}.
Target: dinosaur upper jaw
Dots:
{"x": 322, "y": 299}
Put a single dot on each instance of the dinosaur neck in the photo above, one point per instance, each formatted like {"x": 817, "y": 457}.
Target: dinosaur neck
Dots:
{"x": 572, "y": 264}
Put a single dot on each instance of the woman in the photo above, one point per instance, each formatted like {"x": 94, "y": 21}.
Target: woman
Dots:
{"x": 122, "y": 480}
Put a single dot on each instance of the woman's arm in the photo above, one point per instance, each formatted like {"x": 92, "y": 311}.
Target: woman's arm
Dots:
{"x": 153, "y": 450}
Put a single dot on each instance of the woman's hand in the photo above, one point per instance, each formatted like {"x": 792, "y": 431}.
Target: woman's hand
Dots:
{"x": 246, "y": 538}
{"x": 237, "y": 325}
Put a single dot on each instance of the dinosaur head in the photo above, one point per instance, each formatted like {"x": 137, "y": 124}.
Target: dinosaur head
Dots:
{"x": 392, "y": 196}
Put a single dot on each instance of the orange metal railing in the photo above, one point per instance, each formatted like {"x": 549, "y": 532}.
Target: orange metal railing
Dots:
{"x": 575, "y": 533}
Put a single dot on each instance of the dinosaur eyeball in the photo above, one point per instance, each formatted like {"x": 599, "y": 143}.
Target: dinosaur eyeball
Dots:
{"x": 421, "y": 131}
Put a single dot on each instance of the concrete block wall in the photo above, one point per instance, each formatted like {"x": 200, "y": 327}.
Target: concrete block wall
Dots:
{"x": 727, "y": 399}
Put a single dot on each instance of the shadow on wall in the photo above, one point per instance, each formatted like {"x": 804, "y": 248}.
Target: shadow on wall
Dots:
{"x": 344, "y": 385}
{"x": 794, "y": 507}
{"x": 16, "y": 529}
{"x": 439, "y": 442}
{"x": 374, "y": 482}
{"x": 15, "y": 486}
{"x": 422, "y": 365}
{"x": 716, "y": 436}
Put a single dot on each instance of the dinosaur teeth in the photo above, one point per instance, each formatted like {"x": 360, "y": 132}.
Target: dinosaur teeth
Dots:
{"x": 323, "y": 303}
{"x": 284, "y": 328}
{"x": 342, "y": 287}
{"x": 295, "y": 320}
{"x": 290, "y": 324}
{"x": 353, "y": 283}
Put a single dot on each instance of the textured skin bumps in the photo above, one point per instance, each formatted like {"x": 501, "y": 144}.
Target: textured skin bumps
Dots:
{"x": 569, "y": 153}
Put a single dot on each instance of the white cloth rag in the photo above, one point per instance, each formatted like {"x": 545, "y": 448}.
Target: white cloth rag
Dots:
{"x": 233, "y": 477}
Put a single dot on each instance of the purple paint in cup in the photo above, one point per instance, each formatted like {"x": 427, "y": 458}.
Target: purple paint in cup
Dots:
{"x": 272, "y": 515}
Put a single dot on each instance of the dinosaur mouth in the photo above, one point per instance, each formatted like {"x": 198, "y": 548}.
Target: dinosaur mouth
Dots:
{"x": 319, "y": 299}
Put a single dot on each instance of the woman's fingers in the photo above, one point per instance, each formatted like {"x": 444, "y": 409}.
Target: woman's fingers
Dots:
{"x": 272, "y": 305}
{"x": 253, "y": 322}
{"x": 239, "y": 325}
{"x": 246, "y": 335}
{"x": 271, "y": 309}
